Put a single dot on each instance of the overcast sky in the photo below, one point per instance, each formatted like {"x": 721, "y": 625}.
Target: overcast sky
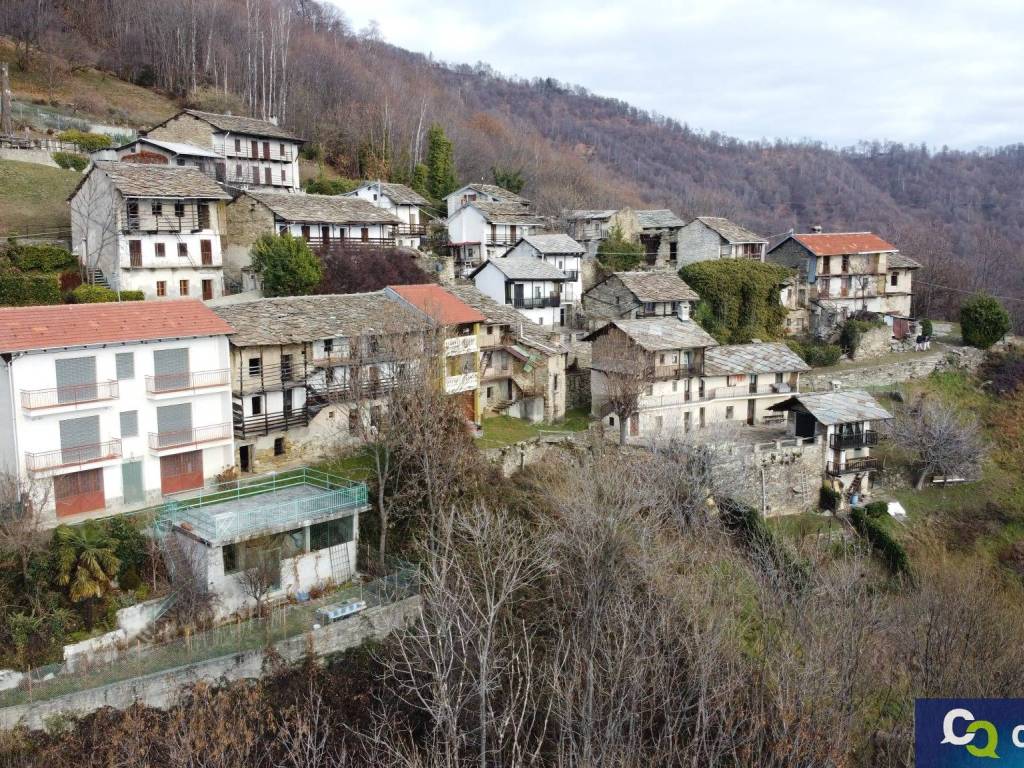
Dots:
{"x": 939, "y": 71}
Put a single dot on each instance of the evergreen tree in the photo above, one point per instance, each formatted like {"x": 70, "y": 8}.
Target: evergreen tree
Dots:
{"x": 983, "y": 321}
{"x": 286, "y": 265}
{"x": 419, "y": 179}
{"x": 440, "y": 164}
{"x": 508, "y": 179}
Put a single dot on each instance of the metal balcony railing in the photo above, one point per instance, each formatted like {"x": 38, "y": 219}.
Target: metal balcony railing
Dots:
{"x": 537, "y": 302}
{"x": 173, "y": 382}
{"x": 179, "y": 438}
{"x": 847, "y": 442}
{"x": 73, "y": 456}
{"x": 32, "y": 399}
{"x": 853, "y": 465}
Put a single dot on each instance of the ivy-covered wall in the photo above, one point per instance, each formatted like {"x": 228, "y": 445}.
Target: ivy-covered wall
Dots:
{"x": 739, "y": 299}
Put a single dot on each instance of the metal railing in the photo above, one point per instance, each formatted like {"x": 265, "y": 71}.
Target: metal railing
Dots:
{"x": 852, "y": 465}
{"x": 73, "y": 456}
{"x": 859, "y": 440}
{"x": 173, "y": 382}
{"x": 536, "y": 302}
{"x": 182, "y": 437}
{"x": 72, "y": 394}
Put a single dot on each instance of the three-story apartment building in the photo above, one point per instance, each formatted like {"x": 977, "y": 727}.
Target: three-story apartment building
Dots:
{"x": 151, "y": 228}
{"x": 107, "y": 407}
{"x": 529, "y": 285}
{"x": 255, "y": 154}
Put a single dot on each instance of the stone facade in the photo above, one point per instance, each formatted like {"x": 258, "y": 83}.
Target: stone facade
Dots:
{"x": 246, "y": 220}
{"x": 186, "y": 129}
{"x": 874, "y": 342}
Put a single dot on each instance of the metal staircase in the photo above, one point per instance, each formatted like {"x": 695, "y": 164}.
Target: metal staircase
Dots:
{"x": 95, "y": 276}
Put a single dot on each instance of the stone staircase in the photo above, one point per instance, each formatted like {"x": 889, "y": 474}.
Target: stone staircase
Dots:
{"x": 95, "y": 276}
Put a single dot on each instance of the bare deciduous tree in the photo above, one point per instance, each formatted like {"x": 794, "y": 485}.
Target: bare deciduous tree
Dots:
{"x": 625, "y": 371}
{"x": 939, "y": 439}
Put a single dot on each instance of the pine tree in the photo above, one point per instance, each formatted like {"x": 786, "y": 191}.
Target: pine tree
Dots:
{"x": 440, "y": 164}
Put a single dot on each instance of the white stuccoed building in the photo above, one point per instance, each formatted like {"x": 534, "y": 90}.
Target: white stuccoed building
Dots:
{"x": 107, "y": 407}
{"x": 403, "y": 202}
{"x": 530, "y": 285}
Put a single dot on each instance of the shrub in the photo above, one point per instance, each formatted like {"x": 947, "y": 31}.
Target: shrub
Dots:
{"x": 87, "y": 142}
{"x": 829, "y": 498}
{"x": 983, "y": 321}
{"x": 891, "y": 551}
{"x": 18, "y": 289}
{"x": 286, "y": 265}
{"x": 748, "y": 524}
{"x": 43, "y": 258}
{"x": 71, "y": 160}
{"x": 741, "y": 298}
{"x": 321, "y": 185}
{"x": 618, "y": 253}
{"x": 876, "y": 509}
{"x": 1004, "y": 373}
{"x": 926, "y": 327}
{"x": 816, "y": 354}
{"x": 98, "y": 294}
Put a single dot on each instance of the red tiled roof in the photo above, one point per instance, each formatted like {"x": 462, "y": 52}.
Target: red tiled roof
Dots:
{"x": 435, "y": 302}
{"x": 70, "y": 325}
{"x": 839, "y": 243}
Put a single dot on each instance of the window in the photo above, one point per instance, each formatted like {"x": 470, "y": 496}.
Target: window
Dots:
{"x": 894, "y": 279}
{"x": 649, "y": 390}
{"x": 157, "y": 209}
{"x": 555, "y": 384}
{"x": 229, "y": 553}
{"x": 328, "y": 346}
{"x": 135, "y": 253}
{"x": 238, "y": 171}
{"x": 778, "y": 378}
{"x": 826, "y": 264}
{"x": 846, "y": 263}
{"x": 238, "y": 146}
{"x": 183, "y": 287}
{"x": 206, "y": 252}
{"x": 179, "y": 210}
{"x": 257, "y": 405}
{"x": 675, "y": 385}
{"x": 268, "y": 176}
{"x": 183, "y": 250}
{"x": 160, "y": 249}
{"x": 286, "y": 367}
{"x": 728, "y": 411}
{"x": 281, "y": 149}
{"x": 129, "y": 423}
{"x": 203, "y": 215}
{"x": 353, "y": 420}
{"x": 730, "y": 381}
{"x": 255, "y": 174}
{"x": 161, "y": 287}
{"x": 279, "y": 446}
{"x": 255, "y": 366}
{"x": 125, "y": 363}
{"x": 284, "y": 175}
{"x": 331, "y": 533}
{"x": 490, "y": 393}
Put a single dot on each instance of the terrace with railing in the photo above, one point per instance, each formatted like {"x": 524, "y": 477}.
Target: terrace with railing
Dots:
{"x": 850, "y": 466}
{"x": 181, "y": 438}
{"x": 75, "y": 456}
{"x": 241, "y": 510}
{"x": 72, "y": 394}
{"x": 175, "y": 382}
{"x": 858, "y": 440}
{"x": 536, "y": 302}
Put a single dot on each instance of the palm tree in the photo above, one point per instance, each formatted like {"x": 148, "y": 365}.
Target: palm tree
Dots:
{"x": 85, "y": 559}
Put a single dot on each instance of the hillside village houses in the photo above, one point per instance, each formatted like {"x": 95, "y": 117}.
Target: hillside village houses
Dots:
{"x": 849, "y": 272}
{"x": 479, "y": 231}
{"x": 657, "y": 229}
{"x": 531, "y": 286}
{"x": 150, "y": 228}
{"x": 478, "y": 192}
{"x": 407, "y": 205}
{"x": 638, "y": 294}
{"x": 108, "y": 407}
{"x": 708, "y": 238}
{"x": 254, "y": 154}
{"x": 561, "y": 252}
{"x": 321, "y": 220}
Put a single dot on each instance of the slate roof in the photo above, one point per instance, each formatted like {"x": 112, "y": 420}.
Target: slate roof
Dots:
{"x": 69, "y": 325}
{"x": 843, "y": 407}
{"x": 657, "y": 286}
{"x": 524, "y": 268}
{"x": 658, "y": 218}
{"x": 302, "y": 319}
{"x": 528, "y": 332}
{"x": 250, "y": 126}
{"x": 841, "y": 243}
{"x": 400, "y": 194}
{"x": 177, "y": 147}
{"x": 897, "y": 260}
{"x": 554, "y": 244}
{"x": 493, "y": 190}
{"x": 506, "y": 213}
{"x": 758, "y": 357}
{"x": 439, "y": 304}
{"x": 331, "y": 209}
{"x": 658, "y": 334}
{"x": 585, "y": 215}
{"x": 732, "y": 233}
{"x": 146, "y": 180}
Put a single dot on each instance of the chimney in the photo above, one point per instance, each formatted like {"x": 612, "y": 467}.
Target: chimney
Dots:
{"x": 816, "y": 229}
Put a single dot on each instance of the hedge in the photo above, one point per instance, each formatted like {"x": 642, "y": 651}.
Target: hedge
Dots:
{"x": 749, "y": 525}
{"x": 98, "y": 294}
{"x": 816, "y": 354}
{"x": 71, "y": 160}
{"x": 42, "y": 258}
{"x": 86, "y": 141}
{"x": 740, "y": 298}
{"x": 891, "y": 551}
{"x": 18, "y": 289}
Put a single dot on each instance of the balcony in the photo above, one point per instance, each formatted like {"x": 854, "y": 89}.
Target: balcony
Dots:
{"x": 76, "y": 456}
{"x": 336, "y": 358}
{"x": 75, "y": 394}
{"x": 463, "y": 382}
{"x": 572, "y": 275}
{"x": 264, "y": 424}
{"x": 412, "y": 230}
{"x": 183, "y": 438}
{"x": 187, "y": 380}
{"x": 322, "y": 244}
{"x": 674, "y": 371}
{"x": 852, "y": 466}
{"x": 851, "y": 442}
{"x": 347, "y": 391}
{"x": 536, "y": 302}
{"x": 460, "y": 345}
{"x": 724, "y": 393}
{"x": 190, "y": 221}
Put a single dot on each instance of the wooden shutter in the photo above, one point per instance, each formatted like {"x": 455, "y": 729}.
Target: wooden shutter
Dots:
{"x": 206, "y": 252}
{"x": 135, "y": 253}
{"x": 76, "y": 379}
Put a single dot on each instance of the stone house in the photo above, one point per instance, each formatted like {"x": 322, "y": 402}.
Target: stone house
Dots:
{"x": 708, "y": 238}
{"x": 522, "y": 367}
{"x": 158, "y": 152}
{"x": 656, "y": 229}
{"x": 633, "y": 295}
{"x": 255, "y": 154}
{"x": 659, "y": 235}
{"x": 150, "y": 228}
{"x": 405, "y": 203}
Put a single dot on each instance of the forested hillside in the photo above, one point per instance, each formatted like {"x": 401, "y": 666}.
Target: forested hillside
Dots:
{"x": 368, "y": 105}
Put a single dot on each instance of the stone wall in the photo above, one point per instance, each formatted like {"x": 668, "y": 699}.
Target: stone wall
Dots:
{"x": 874, "y": 342}
{"x": 885, "y": 374}
{"x": 34, "y": 156}
{"x": 161, "y": 689}
{"x": 186, "y": 129}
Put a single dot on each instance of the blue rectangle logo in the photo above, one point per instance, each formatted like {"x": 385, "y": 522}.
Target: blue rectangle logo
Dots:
{"x": 954, "y": 733}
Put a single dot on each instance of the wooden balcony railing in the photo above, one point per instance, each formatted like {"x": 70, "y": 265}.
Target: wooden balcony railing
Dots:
{"x": 265, "y": 423}
{"x": 674, "y": 371}
{"x": 190, "y": 221}
{"x": 179, "y": 438}
{"x": 73, "y": 456}
{"x": 32, "y": 399}
{"x": 174, "y": 382}
{"x": 852, "y": 465}
{"x": 326, "y": 244}
{"x": 849, "y": 442}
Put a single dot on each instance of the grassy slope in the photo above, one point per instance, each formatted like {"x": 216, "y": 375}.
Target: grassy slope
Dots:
{"x": 32, "y": 198}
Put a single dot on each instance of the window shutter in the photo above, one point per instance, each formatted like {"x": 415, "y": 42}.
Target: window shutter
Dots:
{"x": 170, "y": 368}
{"x": 79, "y": 439}
{"x": 125, "y": 365}
{"x": 174, "y": 424}
{"x": 76, "y": 379}
{"x": 129, "y": 424}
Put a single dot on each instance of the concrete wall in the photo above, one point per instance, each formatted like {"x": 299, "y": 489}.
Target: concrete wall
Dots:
{"x": 162, "y": 689}
{"x": 35, "y": 156}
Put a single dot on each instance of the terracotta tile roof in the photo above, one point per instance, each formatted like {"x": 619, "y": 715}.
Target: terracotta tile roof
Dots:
{"x": 71, "y": 325}
{"x": 437, "y": 303}
{"x": 840, "y": 243}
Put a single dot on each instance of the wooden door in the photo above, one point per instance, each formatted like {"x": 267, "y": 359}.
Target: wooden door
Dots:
{"x": 365, "y": 234}
{"x": 181, "y": 472}
{"x": 253, "y": 145}
{"x": 266, "y": 150}
{"x": 206, "y": 252}
{"x": 135, "y": 253}
{"x": 79, "y": 492}
{"x": 207, "y": 290}
{"x": 305, "y": 232}
{"x": 751, "y": 411}
{"x": 325, "y": 235}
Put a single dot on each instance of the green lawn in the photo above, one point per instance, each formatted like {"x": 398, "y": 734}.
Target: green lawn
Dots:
{"x": 355, "y": 466}
{"x": 805, "y": 524}
{"x": 33, "y": 198}
{"x": 500, "y": 431}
